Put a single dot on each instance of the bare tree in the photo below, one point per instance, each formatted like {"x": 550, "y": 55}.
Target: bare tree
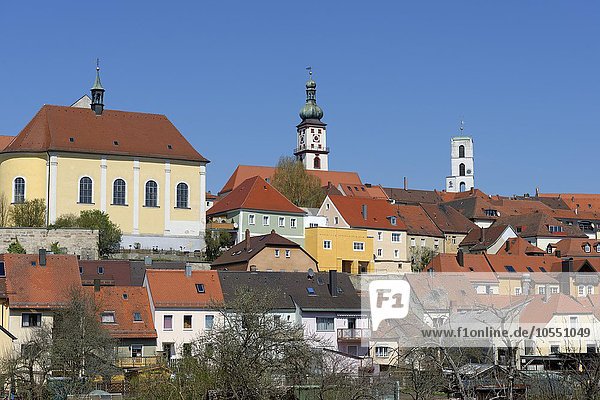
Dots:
{"x": 4, "y": 211}
{"x": 292, "y": 180}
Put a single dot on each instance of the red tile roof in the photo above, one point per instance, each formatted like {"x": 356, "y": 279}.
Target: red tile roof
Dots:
{"x": 577, "y": 201}
{"x": 115, "y": 272}
{"x": 378, "y": 213}
{"x": 254, "y": 194}
{"x": 574, "y": 247}
{"x": 447, "y": 219}
{"x": 417, "y": 221}
{"x": 243, "y": 172}
{"x": 124, "y": 301}
{"x": 170, "y": 288}
{"x": 48, "y": 287}
{"x": 114, "y": 132}
{"x": 5, "y": 141}
{"x": 519, "y": 246}
{"x": 449, "y": 263}
{"x": 541, "y": 311}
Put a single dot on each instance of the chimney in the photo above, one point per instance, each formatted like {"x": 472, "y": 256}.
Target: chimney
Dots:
{"x": 557, "y": 253}
{"x": 537, "y": 192}
{"x": 405, "y": 183}
{"x": 564, "y": 278}
{"x": 42, "y": 253}
{"x": 333, "y": 286}
{"x": 460, "y": 258}
{"x": 147, "y": 261}
{"x": 96, "y": 285}
{"x": 247, "y": 240}
{"x": 547, "y": 293}
{"x": 188, "y": 270}
{"x": 482, "y": 236}
{"x": 364, "y": 211}
{"x": 526, "y": 283}
{"x": 507, "y": 246}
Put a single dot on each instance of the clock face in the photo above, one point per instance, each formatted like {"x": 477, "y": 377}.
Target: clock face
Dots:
{"x": 468, "y": 171}
{"x": 316, "y": 138}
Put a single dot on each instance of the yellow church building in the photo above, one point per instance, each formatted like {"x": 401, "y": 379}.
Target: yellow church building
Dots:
{"x": 136, "y": 167}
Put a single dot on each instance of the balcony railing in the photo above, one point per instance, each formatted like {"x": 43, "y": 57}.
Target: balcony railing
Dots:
{"x": 353, "y": 334}
{"x": 139, "y": 362}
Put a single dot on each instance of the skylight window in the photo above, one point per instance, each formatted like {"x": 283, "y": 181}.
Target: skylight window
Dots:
{"x": 311, "y": 291}
{"x": 510, "y": 268}
{"x": 542, "y": 269}
{"x": 108, "y": 317}
{"x": 200, "y": 288}
{"x": 529, "y": 269}
{"x": 33, "y": 263}
{"x": 125, "y": 296}
{"x": 137, "y": 317}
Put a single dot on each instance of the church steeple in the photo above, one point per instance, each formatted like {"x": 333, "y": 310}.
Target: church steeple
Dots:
{"x": 311, "y": 146}
{"x": 97, "y": 93}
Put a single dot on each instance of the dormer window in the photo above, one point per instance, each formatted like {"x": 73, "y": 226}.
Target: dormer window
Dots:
{"x": 597, "y": 247}
{"x": 491, "y": 213}
{"x": 587, "y": 248}
{"x": 393, "y": 220}
{"x": 555, "y": 228}
{"x": 108, "y": 317}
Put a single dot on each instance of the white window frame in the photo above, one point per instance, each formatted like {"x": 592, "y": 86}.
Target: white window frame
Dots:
{"x": 136, "y": 346}
{"x": 251, "y": 219}
{"x": 293, "y": 223}
{"x": 327, "y": 244}
{"x": 14, "y": 200}
{"x": 288, "y": 253}
{"x": 554, "y": 290}
{"x": 396, "y": 253}
{"x": 580, "y": 290}
{"x": 380, "y": 252}
{"x": 172, "y": 322}
{"x": 422, "y": 244}
{"x": 112, "y": 203}
{"x": 329, "y": 324}
{"x": 336, "y": 220}
{"x": 380, "y": 236}
{"x": 212, "y": 324}
{"x": 108, "y": 314}
{"x": 518, "y": 291}
{"x": 413, "y": 242}
{"x": 157, "y": 193}
{"x": 382, "y": 351}
{"x": 589, "y": 289}
{"x": 398, "y": 235}
{"x": 79, "y": 189}
{"x": 281, "y": 222}
{"x": 189, "y": 196}
{"x": 276, "y": 253}
{"x": 266, "y": 220}
{"x": 358, "y": 246}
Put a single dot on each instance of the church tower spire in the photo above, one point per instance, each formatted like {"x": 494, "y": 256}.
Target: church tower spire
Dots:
{"x": 311, "y": 146}
{"x": 97, "y": 92}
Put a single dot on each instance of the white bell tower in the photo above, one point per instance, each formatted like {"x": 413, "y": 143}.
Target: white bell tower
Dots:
{"x": 462, "y": 178}
{"x": 311, "y": 146}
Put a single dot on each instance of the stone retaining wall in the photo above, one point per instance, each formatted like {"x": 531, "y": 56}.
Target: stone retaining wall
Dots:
{"x": 82, "y": 242}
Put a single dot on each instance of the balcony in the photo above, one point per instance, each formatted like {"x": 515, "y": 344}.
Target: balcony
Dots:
{"x": 314, "y": 149}
{"x": 139, "y": 362}
{"x": 353, "y": 334}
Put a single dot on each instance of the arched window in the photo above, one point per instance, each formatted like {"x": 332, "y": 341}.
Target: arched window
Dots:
{"x": 462, "y": 187}
{"x": 119, "y": 197}
{"x": 182, "y": 195}
{"x": 461, "y": 151}
{"x": 19, "y": 190}
{"x": 461, "y": 169}
{"x": 317, "y": 163}
{"x": 151, "y": 194}
{"x": 85, "y": 190}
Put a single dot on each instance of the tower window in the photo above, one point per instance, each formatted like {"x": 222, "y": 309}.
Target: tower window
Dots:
{"x": 85, "y": 190}
{"x": 71, "y": 139}
{"x": 116, "y": 142}
{"x": 317, "y": 163}
{"x": 119, "y": 192}
{"x": 151, "y": 194}
{"x": 461, "y": 169}
{"x": 19, "y": 190}
{"x": 462, "y": 187}
{"x": 461, "y": 151}
{"x": 182, "y": 195}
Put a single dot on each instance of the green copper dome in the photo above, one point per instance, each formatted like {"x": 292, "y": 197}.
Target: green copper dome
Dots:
{"x": 311, "y": 110}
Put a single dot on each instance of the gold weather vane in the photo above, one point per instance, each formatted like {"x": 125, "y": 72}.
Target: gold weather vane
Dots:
{"x": 462, "y": 124}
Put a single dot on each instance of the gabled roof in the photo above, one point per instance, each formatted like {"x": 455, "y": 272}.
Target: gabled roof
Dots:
{"x": 243, "y": 172}
{"x": 173, "y": 289}
{"x": 483, "y": 238}
{"x": 5, "y": 141}
{"x": 576, "y": 201}
{"x": 517, "y": 245}
{"x": 574, "y": 247}
{"x": 360, "y": 190}
{"x": 536, "y": 224}
{"x": 538, "y": 267}
{"x": 113, "y": 132}
{"x": 413, "y": 196}
{"x": 449, "y": 263}
{"x": 124, "y": 301}
{"x": 542, "y": 310}
{"x": 417, "y": 221}
{"x": 254, "y": 194}
{"x": 447, "y": 219}
{"x": 115, "y": 272}
{"x": 30, "y": 285}
{"x": 294, "y": 285}
{"x": 440, "y": 291}
{"x": 378, "y": 212}
{"x": 244, "y": 251}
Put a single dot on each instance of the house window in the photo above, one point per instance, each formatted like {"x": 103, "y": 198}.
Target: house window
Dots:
{"x": 200, "y": 288}
{"x": 182, "y": 195}
{"x": 573, "y": 322}
{"x": 413, "y": 242}
{"x": 327, "y": 244}
{"x": 288, "y": 253}
{"x": 358, "y": 246}
{"x": 491, "y": 213}
{"x": 151, "y": 194}
{"x": 3, "y": 271}
{"x": 396, "y": 253}
{"x": 137, "y": 317}
{"x": 422, "y": 242}
{"x": 590, "y": 289}
{"x": 518, "y": 291}
{"x": 555, "y": 228}
{"x": 100, "y": 270}
{"x": 587, "y": 248}
{"x": 327, "y": 206}
{"x": 292, "y": 222}
{"x": 336, "y": 220}
{"x": 266, "y": 220}
{"x": 325, "y": 324}
{"x": 382, "y": 351}
{"x": 85, "y": 190}
{"x": 168, "y": 323}
{"x": 281, "y": 222}
{"x": 19, "y": 190}
{"x": 453, "y": 239}
{"x": 393, "y": 220}
{"x": 379, "y": 252}
{"x": 107, "y": 317}
{"x": 554, "y": 349}
{"x": 380, "y": 236}
{"x": 209, "y": 321}
{"x": 136, "y": 350}
{"x": 581, "y": 290}
{"x": 187, "y": 322}
{"x": 396, "y": 237}
{"x": 251, "y": 219}
{"x": 598, "y": 248}
{"x": 541, "y": 290}
{"x": 119, "y": 192}
{"x": 277, "y": 253}
{"x": 554, "y": 290}
{"x": 31, "y": 319}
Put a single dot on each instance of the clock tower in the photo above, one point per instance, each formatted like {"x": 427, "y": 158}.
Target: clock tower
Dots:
{"x": 311, "y": 146}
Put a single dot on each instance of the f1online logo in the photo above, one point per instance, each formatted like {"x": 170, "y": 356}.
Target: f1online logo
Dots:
{"x": 388, "y": 299}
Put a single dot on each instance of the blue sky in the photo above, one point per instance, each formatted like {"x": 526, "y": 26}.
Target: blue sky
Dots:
{"x": 394, "y": 79}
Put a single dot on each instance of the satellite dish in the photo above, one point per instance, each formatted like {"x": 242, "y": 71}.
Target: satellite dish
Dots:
{"x": 311, "y": 273}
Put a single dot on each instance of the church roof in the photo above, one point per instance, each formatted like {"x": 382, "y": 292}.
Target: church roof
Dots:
{"x": 80, "y": 130}
{"x": 5, "y": 141}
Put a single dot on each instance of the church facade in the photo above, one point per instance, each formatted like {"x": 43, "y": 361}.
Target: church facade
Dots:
{"x": 136, "y": 167}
